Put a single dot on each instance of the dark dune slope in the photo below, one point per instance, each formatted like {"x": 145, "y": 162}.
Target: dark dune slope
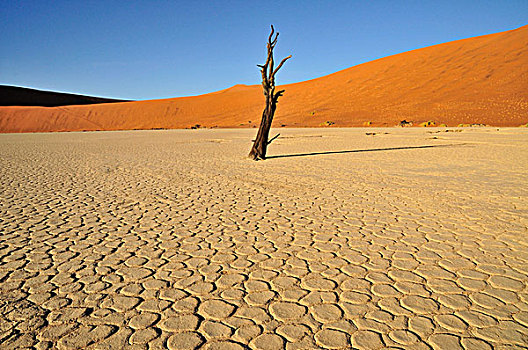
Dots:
{"x": 20, "y": 96}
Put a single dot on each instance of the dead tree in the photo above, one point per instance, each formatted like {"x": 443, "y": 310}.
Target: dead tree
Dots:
{"x": 260, "y": 145}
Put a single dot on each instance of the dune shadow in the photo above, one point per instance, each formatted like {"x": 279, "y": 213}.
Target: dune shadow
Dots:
{"x": 361, "y": 150}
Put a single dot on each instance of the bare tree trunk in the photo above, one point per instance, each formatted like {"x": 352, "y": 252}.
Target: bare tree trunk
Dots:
{"x": 260, "y": 145}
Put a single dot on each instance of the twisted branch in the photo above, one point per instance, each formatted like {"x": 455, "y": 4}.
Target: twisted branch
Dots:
{"x": 268, "y": 73}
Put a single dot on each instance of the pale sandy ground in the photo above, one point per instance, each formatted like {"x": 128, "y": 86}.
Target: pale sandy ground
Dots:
{"x": 152, "y": 239}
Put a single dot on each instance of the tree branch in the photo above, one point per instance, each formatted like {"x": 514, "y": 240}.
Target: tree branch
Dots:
{"x": 277, "y": 95}
{"x": 273, "y": 138}
{"x": 274, "y": 42}
{"x": 271, "y": 34}
{"x": 272, "y": 62}
{"x": 280, "y": 65}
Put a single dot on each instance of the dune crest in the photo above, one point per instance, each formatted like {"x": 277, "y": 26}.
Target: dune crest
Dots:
{"x": 477, "y": 80}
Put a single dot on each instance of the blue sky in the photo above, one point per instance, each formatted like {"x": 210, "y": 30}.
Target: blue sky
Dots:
{"x": 157, "y": 49}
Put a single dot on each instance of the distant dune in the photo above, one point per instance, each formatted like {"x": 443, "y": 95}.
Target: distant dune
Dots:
{"x": 20, "y": 96}
{"x": 478, "y": 80}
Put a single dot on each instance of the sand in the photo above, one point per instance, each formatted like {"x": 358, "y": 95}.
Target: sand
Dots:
{"x": 479, "y": 80}
{"x": 410, "y": 238}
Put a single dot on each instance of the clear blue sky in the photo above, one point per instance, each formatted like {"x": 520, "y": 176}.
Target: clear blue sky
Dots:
{"x": 157, "y": 49}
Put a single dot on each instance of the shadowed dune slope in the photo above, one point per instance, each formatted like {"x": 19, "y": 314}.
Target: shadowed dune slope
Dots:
{"x": 477, "y": 80}
{"x": 20, "y": 96}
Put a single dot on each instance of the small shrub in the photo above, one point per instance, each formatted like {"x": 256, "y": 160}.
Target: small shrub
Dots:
{"x": 428, "y": 123}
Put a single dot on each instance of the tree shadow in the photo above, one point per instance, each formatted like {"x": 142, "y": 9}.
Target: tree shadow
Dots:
{"x": 362, "y": 150}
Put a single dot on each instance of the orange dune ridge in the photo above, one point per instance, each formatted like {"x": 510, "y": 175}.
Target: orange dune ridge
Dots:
{"x": 481, "y": 80}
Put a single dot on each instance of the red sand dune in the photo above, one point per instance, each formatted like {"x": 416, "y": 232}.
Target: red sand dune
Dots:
{"x": 477, "y": 80}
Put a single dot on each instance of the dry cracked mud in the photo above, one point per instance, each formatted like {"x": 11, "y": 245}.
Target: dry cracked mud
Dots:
{"x": 171, "y": 239}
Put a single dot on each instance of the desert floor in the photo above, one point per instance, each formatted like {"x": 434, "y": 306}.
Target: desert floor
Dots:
{"x": 410, "y": 238}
